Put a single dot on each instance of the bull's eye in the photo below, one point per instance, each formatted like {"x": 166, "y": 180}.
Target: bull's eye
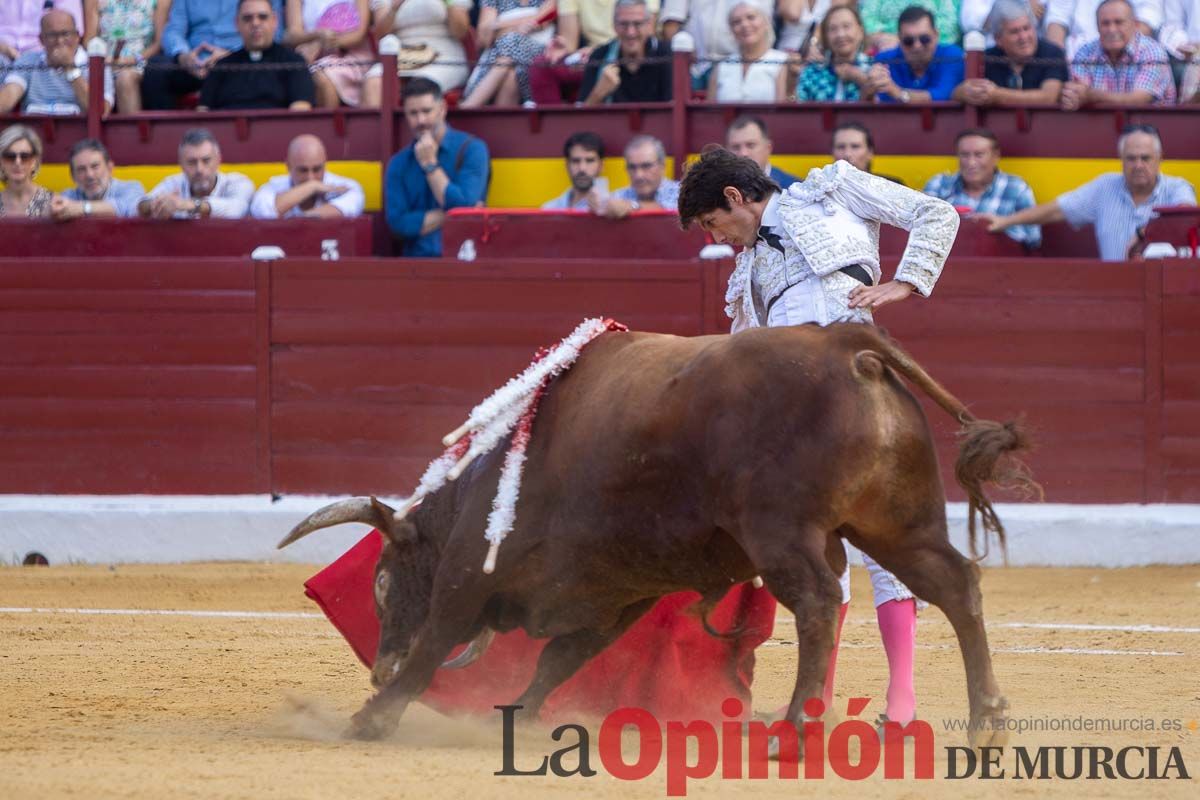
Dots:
{"x": 382, "y": 580}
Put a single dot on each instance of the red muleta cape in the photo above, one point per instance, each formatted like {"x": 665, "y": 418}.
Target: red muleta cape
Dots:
{"x": 666, "y": 663}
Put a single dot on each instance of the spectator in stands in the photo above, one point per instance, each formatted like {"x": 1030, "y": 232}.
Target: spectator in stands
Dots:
{"x": 20, "y": 159}
{"x": 134, "y": 26}
{"x": 708, "y": 23}
{"x": 439, "y": 24}
{"x": 442, "y": 169}
{"x": 582, "y": 25}
{"x": 307, "y": 190}
{"x": 635, "y": 67}
{"x": 1021, "y": 69}
{"x": 747, "y": 136}
{"x": 920, "y": 70}
{"x": 198, "y": 33}
{"x": 883, "y": 18}
{"x": 1180, "y": 31}
{"x": 757, "y": 73}
{"x": 1122, "y": 67}
{"x": 53, "y": 80}
{"x": 852, "y": 141}
{"x": 1117, "y": 206}
{"x": 842, "y": 73}
{"x": 201, "y": 190}
{"x": 331, "y": 35}
{"x": 21, "y": 25}
{"x": 645, "y": 161}
{"x": 263, "y": 73}
{"x": 800, "y": 20}
{"x": 510, "y": 37}
{"x": 584, "y": 153}
{"x": 96, "y": 193}
{"x": 1180, "y": 35}
{"x": 980, "y": 185}
{"x": 1071, "y": 24}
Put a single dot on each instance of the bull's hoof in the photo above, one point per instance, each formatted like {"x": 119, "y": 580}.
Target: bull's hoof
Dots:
{"x": 367, "y": 726}
{"x": 990, "y": 729}
{"x": 988, "y": 736}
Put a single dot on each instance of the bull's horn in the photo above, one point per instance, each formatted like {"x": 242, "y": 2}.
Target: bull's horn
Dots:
{"x": 357, "y": 509}
{"x": 758, "y": 582}
{"x": 475, "y": 649}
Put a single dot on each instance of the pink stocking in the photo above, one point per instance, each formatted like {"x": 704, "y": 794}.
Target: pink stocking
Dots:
{"x": 898, "y": 629}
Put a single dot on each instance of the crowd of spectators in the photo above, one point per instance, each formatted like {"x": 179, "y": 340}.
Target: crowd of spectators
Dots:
{"x": 199, "y": 190}
{"x": 298, "y": 54}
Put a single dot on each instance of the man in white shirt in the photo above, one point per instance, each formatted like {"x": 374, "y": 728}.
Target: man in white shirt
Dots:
{"x": 308, "y": 190}
{"x": 201, "y": 190}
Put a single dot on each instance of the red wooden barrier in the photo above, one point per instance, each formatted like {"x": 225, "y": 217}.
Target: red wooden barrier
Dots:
{"x": 531, "y": 233}
{"x": 218, "y": 375}
{"x": 208, "y": 238}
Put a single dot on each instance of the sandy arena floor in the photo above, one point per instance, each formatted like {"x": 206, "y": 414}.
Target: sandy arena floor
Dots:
{"x": 170, "y": 706}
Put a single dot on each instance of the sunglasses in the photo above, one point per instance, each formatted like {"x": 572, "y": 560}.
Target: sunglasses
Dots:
{"x": 13, "y": 157}
{"x": 925, "y": 39}
{"x": 255, "y": 17}
{"x": 1139, "y": 127}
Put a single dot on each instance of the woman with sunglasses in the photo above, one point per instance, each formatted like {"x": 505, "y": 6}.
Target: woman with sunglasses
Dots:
{"x": 20, "y": 159}
{"x": 842, "y": 76}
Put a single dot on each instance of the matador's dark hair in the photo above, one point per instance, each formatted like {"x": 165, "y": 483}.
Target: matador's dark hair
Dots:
{"x": 703, "y": 187}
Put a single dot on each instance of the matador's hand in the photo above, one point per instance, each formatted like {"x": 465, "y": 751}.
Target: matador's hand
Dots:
{"x": 872, "y": 297}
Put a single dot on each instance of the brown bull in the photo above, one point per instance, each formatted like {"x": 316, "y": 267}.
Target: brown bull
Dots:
{"x": 660, "y": 464}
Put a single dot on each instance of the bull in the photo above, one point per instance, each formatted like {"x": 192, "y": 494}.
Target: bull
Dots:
{"x": 660, "y": 464}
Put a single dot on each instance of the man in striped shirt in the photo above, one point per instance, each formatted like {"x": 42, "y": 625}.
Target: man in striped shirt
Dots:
{"x": 53, "y": 80}
{"x": 980, "y": 185}
{"x": 1116, "y": 205}
{"x": 1122, "y": 67}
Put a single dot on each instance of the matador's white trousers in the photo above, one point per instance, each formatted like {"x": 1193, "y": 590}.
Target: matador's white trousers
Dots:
{"x": 807, "y": 302}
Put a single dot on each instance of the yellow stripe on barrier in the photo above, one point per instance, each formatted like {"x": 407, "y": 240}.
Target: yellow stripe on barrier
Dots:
{"x": 529, "y": 182}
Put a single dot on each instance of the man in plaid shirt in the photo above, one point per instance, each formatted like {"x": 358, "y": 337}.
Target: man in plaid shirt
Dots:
{"x": 1123, "y": 66}
{"x": 981, "y": 187}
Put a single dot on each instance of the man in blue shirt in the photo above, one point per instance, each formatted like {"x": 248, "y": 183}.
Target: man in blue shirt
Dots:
{"x": 747, "y": 136}
{"x": 920, "y": 70}
{"x": 198, "y": 33}
{"x": 96, "y": 193}
{"x": 442, "y": 169}
{"x": 981, "y": 186}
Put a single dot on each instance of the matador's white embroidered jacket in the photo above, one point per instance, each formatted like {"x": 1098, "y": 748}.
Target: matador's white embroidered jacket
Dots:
{"x": 831, "y": 220}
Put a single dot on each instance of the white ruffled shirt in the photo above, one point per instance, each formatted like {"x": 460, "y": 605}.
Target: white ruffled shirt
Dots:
{"x": 829, "y": 221}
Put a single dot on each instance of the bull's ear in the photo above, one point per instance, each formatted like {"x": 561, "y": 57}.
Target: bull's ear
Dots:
{"x": 399, "y": 531}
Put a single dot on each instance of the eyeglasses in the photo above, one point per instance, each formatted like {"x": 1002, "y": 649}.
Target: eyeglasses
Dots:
{"x": 255, "y": 17}
{"x": 13, "y": 156}
{"x": 643, "y": 167}
{"x": 630, "y": 24}
{"x": 925, "y": 39}
{"x": 59, "y": 36}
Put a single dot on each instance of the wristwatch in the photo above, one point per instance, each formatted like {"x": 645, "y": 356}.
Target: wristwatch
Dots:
{"x": 87, "y": 208}
{"x": 73, "y": 74}
{"x": 429, "y": 169}
{"x": 905, "y": 96}
{"x": 197, "y": 204}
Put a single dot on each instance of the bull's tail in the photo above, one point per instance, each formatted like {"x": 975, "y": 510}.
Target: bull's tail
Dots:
{"x": 986, "y": 449}
{"x": 704, "y": 606}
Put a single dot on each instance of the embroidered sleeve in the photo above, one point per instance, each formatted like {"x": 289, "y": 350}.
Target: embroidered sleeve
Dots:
{"x": 931, "y": 223}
